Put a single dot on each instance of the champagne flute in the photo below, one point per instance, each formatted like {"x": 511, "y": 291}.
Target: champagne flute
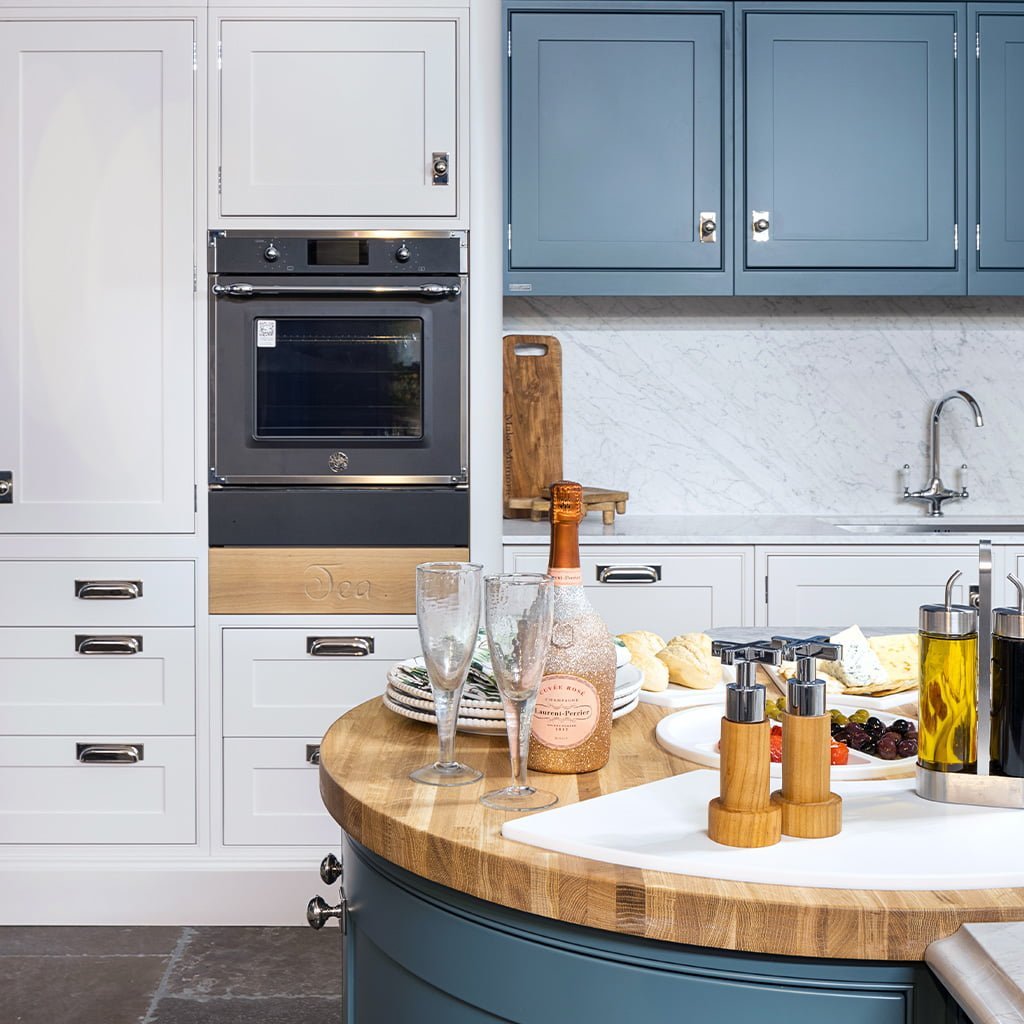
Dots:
{"x": 448, "y": 616}
{"x": 518, "y": 611}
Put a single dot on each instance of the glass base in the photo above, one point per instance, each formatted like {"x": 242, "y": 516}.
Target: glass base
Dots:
{"x": 518, "y": 798}
{"x": 442, "y": 774}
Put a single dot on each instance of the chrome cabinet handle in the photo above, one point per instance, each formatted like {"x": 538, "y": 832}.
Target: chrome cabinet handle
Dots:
{"x": 708, "y": 227}
{"x": 628, "y": 573}
{"x": 440, "y": 164}
{"x": 424, "y": 291}
{"x": 331, "y": 869}
{"x": 339, "y": 646}
{"x": 312, "y": 753}
{"x": 760, "y": 222}
{"x": 109, "y": 753}
{"x": 107, "y": 644}
{"x": 319, "y": 912}
{"x": 108, "y": 590}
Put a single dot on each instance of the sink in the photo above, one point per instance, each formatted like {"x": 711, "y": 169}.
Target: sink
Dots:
{"x": 926, "y": 526}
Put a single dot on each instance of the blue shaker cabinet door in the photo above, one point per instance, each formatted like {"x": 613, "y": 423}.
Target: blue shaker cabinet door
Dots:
{"x": 615, "y": 140}
{"x": 1001, "y": 140}
{"x": 850, "y": 136}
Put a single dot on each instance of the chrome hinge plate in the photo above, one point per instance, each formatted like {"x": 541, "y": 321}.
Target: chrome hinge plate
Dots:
{"x": 509, "y": 237}
{"x": 977, "y": 237}
{"x": 977, "y": 45}
{"x": 195, "y": 498}
{"x": 956, "y": 237}
{"x": 220, "y": 54}
{"x": 510, "y": 44}
{"x": 195, "y": 279}
{"x": 954, "y": 46}
{"x": 220, "y": 180}
{"x": 195, "y": 55}
{"x": 766, "y": 588}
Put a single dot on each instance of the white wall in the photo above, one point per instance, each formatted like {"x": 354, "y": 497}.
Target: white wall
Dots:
{"x": 785, "y": 405}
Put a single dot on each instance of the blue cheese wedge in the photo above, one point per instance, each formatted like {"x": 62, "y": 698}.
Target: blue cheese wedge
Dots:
{"x": 860, "y": 670}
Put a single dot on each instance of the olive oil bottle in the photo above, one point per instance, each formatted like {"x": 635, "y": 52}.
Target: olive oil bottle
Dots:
{"x": 947, "y": 738}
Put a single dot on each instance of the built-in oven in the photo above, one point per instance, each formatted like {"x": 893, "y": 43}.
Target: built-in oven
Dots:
{"x": 338, "y": 383}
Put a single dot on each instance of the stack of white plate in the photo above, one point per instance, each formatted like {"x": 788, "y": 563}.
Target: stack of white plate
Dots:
{"x": 408, "y": 694}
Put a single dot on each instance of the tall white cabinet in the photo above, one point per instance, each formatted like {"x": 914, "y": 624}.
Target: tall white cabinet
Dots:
{"x": 97, "y": 192}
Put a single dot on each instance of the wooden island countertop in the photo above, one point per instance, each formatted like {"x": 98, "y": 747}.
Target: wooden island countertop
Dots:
{"x": 449, "y": 837}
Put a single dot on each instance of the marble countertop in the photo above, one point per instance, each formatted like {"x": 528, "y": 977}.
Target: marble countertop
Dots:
{"x": 771, "y": 529}
{"x": 982, "y": 965}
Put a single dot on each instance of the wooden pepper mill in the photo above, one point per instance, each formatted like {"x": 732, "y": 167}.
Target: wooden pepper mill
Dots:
{"x": 743, "y": 814}
{"x": 809, "y": 809}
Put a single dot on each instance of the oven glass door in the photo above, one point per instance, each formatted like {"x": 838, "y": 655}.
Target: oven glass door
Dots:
{"x": 347, "y": 389}
{"x": 338, "y": 378}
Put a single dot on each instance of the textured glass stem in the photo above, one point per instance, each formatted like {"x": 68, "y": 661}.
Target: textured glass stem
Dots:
{"x": 446, "y": 708}
{"x": 518, "y": 719}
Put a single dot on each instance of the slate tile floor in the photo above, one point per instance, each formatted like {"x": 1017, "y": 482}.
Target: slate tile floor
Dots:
{"x": 57, "y": 975}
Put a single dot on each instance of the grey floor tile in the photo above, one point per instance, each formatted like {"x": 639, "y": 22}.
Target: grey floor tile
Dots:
{"x": 56, "y": 940}
{"x": 78, "y": 989}
{"x": 172, "y": 1010}
{"x": 258, "y": 962}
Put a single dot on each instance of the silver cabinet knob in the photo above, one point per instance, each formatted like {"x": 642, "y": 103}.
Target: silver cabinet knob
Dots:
{"x": 440, "y": 166}
{"x": 271, "y": 253}
{"x": 5, "y": 488}
{"x": 331, "y": 869}
{"x": 319, "y": 912}
{"x": 402, "y": 254}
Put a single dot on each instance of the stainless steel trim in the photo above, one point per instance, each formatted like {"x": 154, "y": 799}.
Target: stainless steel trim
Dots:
{"x": 119, "y": 644}
{"x": 339, "y": 646}
{"x": 109, "y": 753}
{"x": 425, "y": 291}
{"x": 108, "y": 590}
{"x": 313, "y": 753}
{"x": 960, "y": 788}
{"x": 338, "y": 480}
{"x": 984, "y": 655}
{"x": 628, "y": 573}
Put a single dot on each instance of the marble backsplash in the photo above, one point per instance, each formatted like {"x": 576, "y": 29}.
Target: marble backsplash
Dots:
{"x": 786, "y": 405}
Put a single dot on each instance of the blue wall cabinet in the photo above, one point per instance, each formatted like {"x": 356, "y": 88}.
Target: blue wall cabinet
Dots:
{"x": 616, "y": 125}
{"x": 849, "y": 145}
{"x": 997, "y": 183}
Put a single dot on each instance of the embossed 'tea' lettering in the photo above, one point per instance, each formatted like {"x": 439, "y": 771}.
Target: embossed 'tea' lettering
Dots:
{"x": 320, "y": 584}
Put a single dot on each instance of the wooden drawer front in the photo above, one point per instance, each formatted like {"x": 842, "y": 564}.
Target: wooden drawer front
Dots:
{"x": 272, "y": 794}
{"x": 274, "y": 687}
{"x": 44, "y": 593}
{"x": 47, "y": 687}
{"x": 319, "y": 581}
{"x": 693, "y": 592}
{"x": 48, "y": 796}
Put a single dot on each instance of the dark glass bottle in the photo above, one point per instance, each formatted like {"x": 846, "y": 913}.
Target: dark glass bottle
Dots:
{"x": 1006, "y": 752}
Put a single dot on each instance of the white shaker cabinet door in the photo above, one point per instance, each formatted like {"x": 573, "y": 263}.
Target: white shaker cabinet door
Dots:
{"x": 96, "y": 302}
{"x": 337, "y": 117}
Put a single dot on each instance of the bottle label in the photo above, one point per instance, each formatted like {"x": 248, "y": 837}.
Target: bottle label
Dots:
{"x": 567, "y": 577}
{"x": 567, "y": 711}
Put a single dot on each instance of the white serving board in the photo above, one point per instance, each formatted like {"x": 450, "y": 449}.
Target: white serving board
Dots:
{"x": 891, "y": 838}
{"x": 694, "y": 733}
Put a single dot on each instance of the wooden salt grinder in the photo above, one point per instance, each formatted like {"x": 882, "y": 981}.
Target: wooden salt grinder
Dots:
{"x": 743, "y": 815}
{"x": 809, "y": 809}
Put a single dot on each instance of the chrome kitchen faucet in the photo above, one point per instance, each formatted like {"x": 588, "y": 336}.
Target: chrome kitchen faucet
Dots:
{"x": 936, "y": 493}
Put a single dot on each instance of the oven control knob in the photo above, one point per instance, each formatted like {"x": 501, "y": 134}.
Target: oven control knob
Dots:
{"x": 402, "y": 254}
{"x": 271, "y": 253}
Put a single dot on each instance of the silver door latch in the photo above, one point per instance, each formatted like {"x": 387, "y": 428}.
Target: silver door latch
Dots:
{"x": 440, "y": 165}
{"x": 6, "y": 487}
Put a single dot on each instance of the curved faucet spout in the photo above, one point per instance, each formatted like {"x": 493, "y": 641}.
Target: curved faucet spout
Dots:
{"x": 948, "y": 397}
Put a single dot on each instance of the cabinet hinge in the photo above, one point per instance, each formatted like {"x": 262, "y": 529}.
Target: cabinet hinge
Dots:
{"x": 195, "y": 497}
{"x": 954, "y": 46}
{"x": 220, "y": 180}
{"x": 220, "y": 55}
{"x": 766, "y": 588}
{"x": 977, "y": 237}
{"x": 195, "y": 279}
{"x": 509, "y": 37}
{"x": 956, "y": 237}
{"x": 977, "y": 45}
{"x": 195, "y": 56}
{"x": 509, "y": 236}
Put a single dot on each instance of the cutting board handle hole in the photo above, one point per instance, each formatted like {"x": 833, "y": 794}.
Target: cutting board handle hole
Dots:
{"x": 531, "y": 350}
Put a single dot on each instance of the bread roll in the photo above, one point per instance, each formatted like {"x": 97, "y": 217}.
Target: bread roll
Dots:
{"x": 642, "y": 646}
{"x": 642, "y": 640}
{"x": 689, "y": 662}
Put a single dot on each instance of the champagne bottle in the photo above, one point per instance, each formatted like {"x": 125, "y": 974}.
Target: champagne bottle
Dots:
{"x": 572, "y": 722}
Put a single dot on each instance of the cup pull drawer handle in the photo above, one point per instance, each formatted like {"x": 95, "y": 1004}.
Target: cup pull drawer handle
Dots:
{"x": 312, "y": 753}
{"x": 109, "y": 753}
{"x": 108, "y": 590}
{"x": 628, "y": 573}
{"x": 108, "y": 644}
{"x": 339, "y": 646}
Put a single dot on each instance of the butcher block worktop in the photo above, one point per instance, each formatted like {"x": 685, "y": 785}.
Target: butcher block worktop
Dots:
{"x": 448, "y": 837}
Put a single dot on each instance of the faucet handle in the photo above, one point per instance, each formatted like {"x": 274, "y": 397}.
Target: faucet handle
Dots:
{"x": 905, "y": 477}
{"x": 963, "y": 480}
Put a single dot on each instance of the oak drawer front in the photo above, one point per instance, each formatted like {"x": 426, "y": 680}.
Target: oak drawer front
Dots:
{"x": 48, "y": 795}
{"x": 63, "y": 681}
{"x": 319, "y": 581}
{"x": 272, "y": 794}
{"x": 65, "y": 593}
{"x": 275, "y": 685}
{"x": 665, "y": 593}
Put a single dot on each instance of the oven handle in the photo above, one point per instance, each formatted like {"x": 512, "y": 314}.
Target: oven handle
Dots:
{"x": 425, "y": 291}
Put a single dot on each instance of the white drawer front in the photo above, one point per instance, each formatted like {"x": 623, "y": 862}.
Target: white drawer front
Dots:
{"x": 273, "y": 686}
{"x": 272, "y": 794}
{"x": 689, "y": 593}
{"x": 41, "y": 593}
{"x": 48, "y": 796}
{"x": 48, "y": 687}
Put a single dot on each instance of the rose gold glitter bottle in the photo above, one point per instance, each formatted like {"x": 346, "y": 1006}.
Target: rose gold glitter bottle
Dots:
{"x": 572, "y": 722}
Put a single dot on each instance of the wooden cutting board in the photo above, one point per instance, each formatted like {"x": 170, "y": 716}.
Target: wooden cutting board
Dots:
{"x": 532, "y": 417}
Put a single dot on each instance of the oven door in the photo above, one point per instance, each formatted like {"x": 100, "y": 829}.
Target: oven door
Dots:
{"x": 338, "y": 381}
